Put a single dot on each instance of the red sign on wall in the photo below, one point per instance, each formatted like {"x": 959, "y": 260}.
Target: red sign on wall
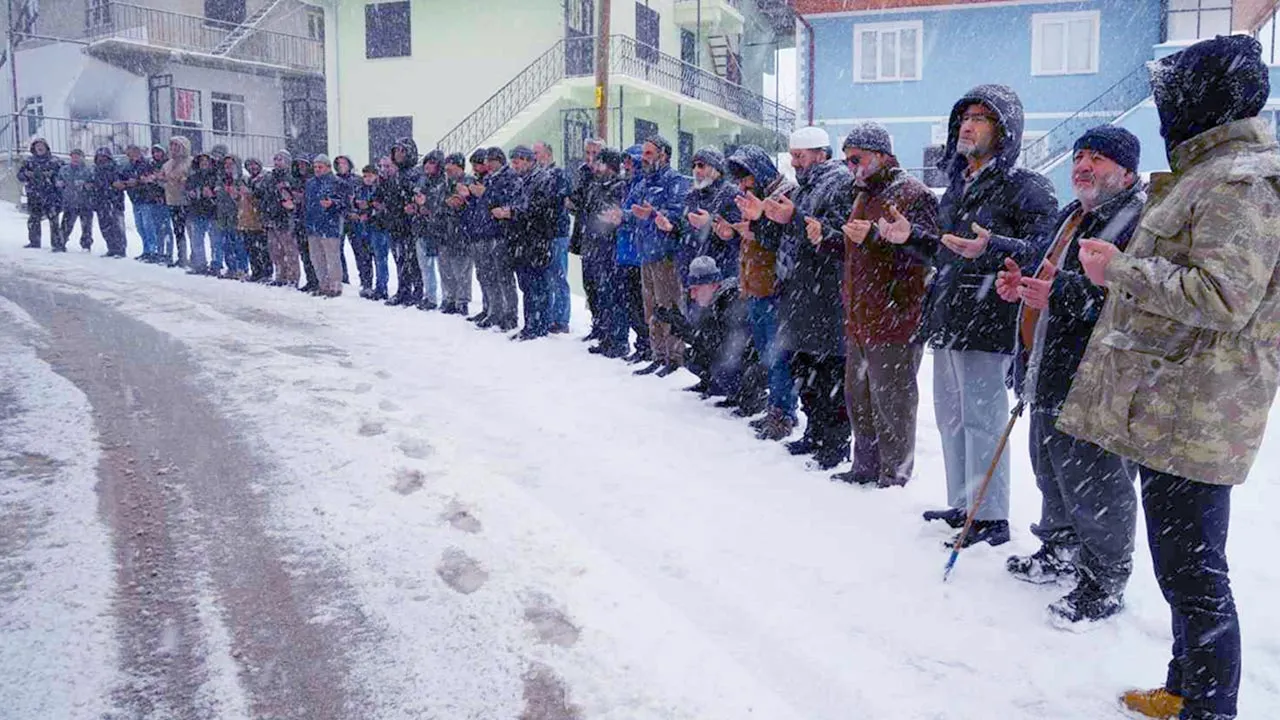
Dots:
{"x": 186, "y": 106}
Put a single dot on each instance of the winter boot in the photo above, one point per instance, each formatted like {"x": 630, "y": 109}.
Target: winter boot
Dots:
{"x": 992, "y": 532}
{"x": 1049, "y": 564}
{"x": 759, "y": 422}
{"x": 649, "y": 369}
{"x": 1085, "y": 605}
{"x": 827, "y": 458}
{"x": 778, "y": 426}
{"x": 701, "y": 387}
{"x": 426, "y": 304}
{"x": 853, "y": 477}
{"x": 666, "y": 370}
{"x": 1158, "y": 703}
{"x": 751, "y": 405}
{"x": 478, "y": 317}
{"x": 729, "y": 402}
{"x": 954, "y": 517}
{"x": 804, "y": 446}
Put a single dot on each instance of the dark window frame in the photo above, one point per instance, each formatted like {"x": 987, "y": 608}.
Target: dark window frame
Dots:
{"x": 381, "y": 18}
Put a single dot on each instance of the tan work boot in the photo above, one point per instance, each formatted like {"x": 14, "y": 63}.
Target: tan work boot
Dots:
{"x": 1158, "y": 703}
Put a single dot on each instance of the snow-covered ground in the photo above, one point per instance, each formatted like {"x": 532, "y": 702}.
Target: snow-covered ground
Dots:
{"x": 518, "y": 521}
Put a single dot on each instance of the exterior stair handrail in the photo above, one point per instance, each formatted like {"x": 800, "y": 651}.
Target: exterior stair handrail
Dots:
{"x": 1113, "y": 102}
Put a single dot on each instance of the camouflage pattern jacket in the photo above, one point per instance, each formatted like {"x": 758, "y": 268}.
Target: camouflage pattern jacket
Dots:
{"x": 1182, "y": 367}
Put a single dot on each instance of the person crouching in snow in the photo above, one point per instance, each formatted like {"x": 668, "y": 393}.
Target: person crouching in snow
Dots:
{"x": 1088, "y": 512}
{"x": 716, "y": 330}
{"x": 1180, "y": 373}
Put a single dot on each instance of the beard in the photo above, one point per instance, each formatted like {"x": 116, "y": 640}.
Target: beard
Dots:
{"x": 703, "y": 183}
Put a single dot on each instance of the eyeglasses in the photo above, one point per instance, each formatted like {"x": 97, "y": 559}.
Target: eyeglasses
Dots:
{"x": 981, "y": 118}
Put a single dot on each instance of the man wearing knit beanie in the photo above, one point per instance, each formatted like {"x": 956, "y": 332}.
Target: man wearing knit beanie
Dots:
{"x": 882, "y": 293}
{"x": 710, "y": 197}
{"x": 1086, "y": 525}
{"x": 1189, "y": 334}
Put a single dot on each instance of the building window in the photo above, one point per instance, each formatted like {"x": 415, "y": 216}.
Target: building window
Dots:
{"x": 97, "y": 14}
{"x": 1197, "y": 19}
{"x": 887, "y": 52}
{"x": 1064, "y": 43}
{"x": 186, "y": 107}
{"x": 33, "y": 109}
{"x": 227, "y": 112}
{"x": 1266, "y": 35}
{"x": 384, "y": 132}
{"x": 648, "y": 35}
{"x": 387, "y": 31}
{"x": 315, "y": 24}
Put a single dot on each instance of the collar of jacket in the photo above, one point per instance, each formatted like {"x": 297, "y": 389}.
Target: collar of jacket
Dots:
{"x": 660, "y": 174}
{"x": 781, "y": 185}
{"x": 1253, "y": 131}
{"x": 1107, "y": 210}
{"x": 882, "y": 178}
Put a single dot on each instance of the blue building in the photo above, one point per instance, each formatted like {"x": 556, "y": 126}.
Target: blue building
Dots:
{"x": 1074, "y": 63}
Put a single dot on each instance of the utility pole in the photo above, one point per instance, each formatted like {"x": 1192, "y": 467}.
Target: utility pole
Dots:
{"x": 13, "y": 77}
{"x": 602, "y": 70}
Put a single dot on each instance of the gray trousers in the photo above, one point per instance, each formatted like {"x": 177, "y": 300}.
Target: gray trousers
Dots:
{"x": 455, "y": 274}
{"x": 882, "y": 398}
{"x": 497, "y": 281}
{"x": 1088, "y": 503}
{"x": 972, "y": 408}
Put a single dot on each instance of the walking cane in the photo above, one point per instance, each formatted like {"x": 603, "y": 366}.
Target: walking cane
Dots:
{"x": 982, "y": 490}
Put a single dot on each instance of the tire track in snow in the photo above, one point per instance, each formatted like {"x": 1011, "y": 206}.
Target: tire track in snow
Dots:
{"x": 176, "y": 490}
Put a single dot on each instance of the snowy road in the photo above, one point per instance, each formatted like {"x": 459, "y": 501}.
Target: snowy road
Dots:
{"x": 257, "y": 504}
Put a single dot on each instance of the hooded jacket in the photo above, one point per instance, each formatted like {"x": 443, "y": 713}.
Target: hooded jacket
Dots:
{"x": 1182, "y": 368}
{"x": 39, "y": 172}
{"x": 249, "y": 217}
{"x": 664, "y": 189}
{"x": 392, "y": 194}
{"x": 202, "y": 187}
{"x": 884, "y": 285}
{"x": 302, "y": 172}
{"x": 598, "y": 238}
{"x": 502, "y": 189}
{"x": 226, "y": 196}
{"x": 584, "y": 177}
{"x": 141, "y": 192}
{"x": 410, "y": 167}
{"x": 480, "y": 225}
{"x": 326, "y": 222}
{"x": 811, "y": 317}
{"x": 962, "y": 310}
{"x": 628, "y": 254}
{"x": 537, "y": 216}
{"x": 716, "y": 198}
{"x": 757, "y": 269}
{"x": 105, "y": 198}
{"x": 175, "y": 172}
{"x": 74, "y": 183}
{"x": 270, "y": 191}
{"x": 430, "y": 222}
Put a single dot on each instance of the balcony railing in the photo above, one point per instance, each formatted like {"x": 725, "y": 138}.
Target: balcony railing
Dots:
{"x": 1111, "y": 104}
{"x": 189, "y": 33}
{"x": 735, "y": 4}
{"x": 65, "y": 135}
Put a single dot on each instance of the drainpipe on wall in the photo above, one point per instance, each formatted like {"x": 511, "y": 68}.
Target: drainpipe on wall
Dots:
{"x": 812, "y": 57}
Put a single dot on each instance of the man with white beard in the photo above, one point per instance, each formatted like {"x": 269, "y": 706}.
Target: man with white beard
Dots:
{"x": 1088, "y": 507}
{"x": 711, "y": 197}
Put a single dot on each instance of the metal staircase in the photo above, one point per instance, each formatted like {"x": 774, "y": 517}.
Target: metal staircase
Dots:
{"x": 1046, "y": 152}
{"x": 245, "y": 29}
{"x": 724, "y": 57}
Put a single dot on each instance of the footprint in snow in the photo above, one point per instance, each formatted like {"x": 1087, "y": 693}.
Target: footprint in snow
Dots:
{"x": 551, "y": 624}
{"x": 415, "y": 448}
{"x": 388, "y": 406}
{"x": 546, "y": 697}
{"x": 460, "y": 518}
{"x": 408, "y": 481}
{"x": 461, "y": 572}
{"x": 369, "y": 428}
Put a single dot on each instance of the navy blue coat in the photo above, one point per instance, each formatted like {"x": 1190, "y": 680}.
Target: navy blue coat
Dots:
{"x": 324, "y": 221}
{"x": 40, "y": 174}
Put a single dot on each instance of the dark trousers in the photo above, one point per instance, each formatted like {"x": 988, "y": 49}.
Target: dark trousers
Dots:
{"x": 408, "y": 275}
{"x": 362, "y": 248}
{"x": 1187, "y": 531}
{"x": 882, "y": 397}
{"x": 535, "y": 286}
{"x": 633, "y": 302}
{"x": 304, "y": 250}
{"x": 35, "y": 222}
{"x": 1088, "y": 506}
{"x": 85, "y": 217}
{"x": 255, "y": 241}
{"x": 594, "y": 274}
{"x": 111, "y": 223}
{"x": 821, "y": 382}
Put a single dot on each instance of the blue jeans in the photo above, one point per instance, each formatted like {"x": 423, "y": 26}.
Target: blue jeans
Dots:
{"x": 536, "y": 300}
{"x": 558, "y": 281}
{"x": 156, "y": 216}
{"x": 1187, "y": 531}
{"x": 142, "y": 221}
{"x": 198, "y": 227}
{"x": 380, "y": 246}
{"x": 762, "y": 313}
{"x": 427, "y": 266}
{"x": 232, "y": 248}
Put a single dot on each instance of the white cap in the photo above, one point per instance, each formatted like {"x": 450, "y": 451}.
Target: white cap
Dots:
{"x": 810, "y": 138}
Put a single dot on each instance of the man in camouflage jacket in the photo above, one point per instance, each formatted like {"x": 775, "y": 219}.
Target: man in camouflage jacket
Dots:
{"x": 1181, "y": 370}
